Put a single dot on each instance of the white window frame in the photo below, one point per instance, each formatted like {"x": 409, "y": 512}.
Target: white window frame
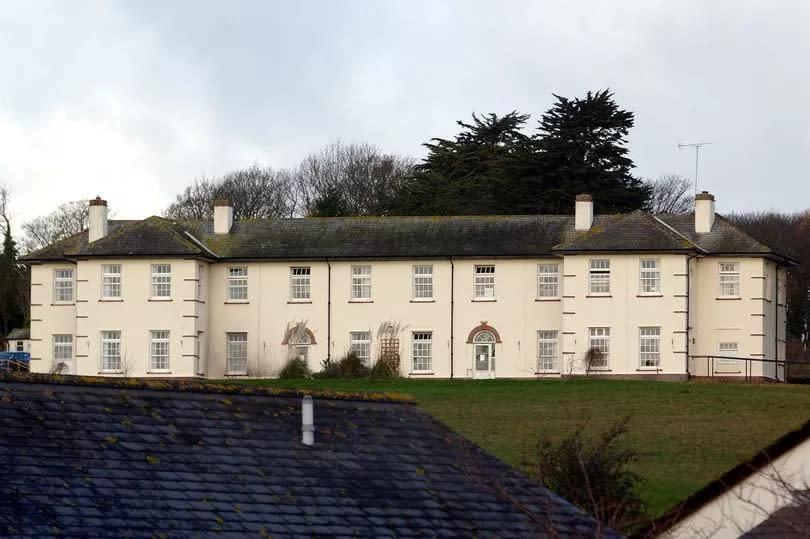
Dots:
{"x": 360, "y": 285}
{"x": 728, "y": 348}
{"x": 422, "y": 351}
{"x": 111, "y": 281}
{"x": 599, "y": 277}
{"x": 548, "y": 359}
{"x": 548, "y": 280}
{"x": 236, "y": 345}
{"x": 110, "y": 351}
{"x": 599, "y": 337}
{"x": 62, "y": 348}
{"x": 422, "y": 282}
{"x": 360, "y": 343}
{"x": 236, "y": 284}
{"x": 20, "y": 346}
{"x": 649, "y": 347}
{"x": 302, "y": 347}
{"x": 649, "y": 277}
{"x": 62, "y": 293}
{"x": 484, "y": 282}
{"x": 161, "y": 281}
{"x": 159, "y": 350}
{"x": 728, "y": 274}
{"x": 300, "y": 284}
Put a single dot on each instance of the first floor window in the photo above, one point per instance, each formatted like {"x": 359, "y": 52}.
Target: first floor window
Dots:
{"x": 729, "y": 279}
{"x": 650, "y": 276}
{"x": 159, "y": 350}
{"x": 63, "y": 285}
{"x": 729, "y": 350}
{"x": 237, "y": 284}
{"x": 161, "y": 280}
{"x": 547, "y": 351}
{"x": 299, "y": 283}
{"x": 110, "y": 350}
{"x": 650, "y": 347}
{"x": 110, "y": 281}
{"x": 361, "y": 282}
{"x": 548, "y": 279}
{"x": 236, "y": 353}
{"x": 422, "y": 350}
{"x": 423, "y": 282}
{"x": 484, "y": 282}
{"x": 599, "y": 348}
{"x": 599, "y": 277}
{"x": 360, "y": 344}
{"x": 62, "y": 349}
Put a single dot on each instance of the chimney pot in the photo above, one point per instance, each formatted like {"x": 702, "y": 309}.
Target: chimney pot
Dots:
{"x": 223, "y": 216}
{"x": 583, "y": 213}
{"x": 97, "y": 219}
{"x": 307, "y": 421}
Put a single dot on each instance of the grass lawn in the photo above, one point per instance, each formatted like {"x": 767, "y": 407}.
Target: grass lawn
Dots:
{"x": 686, "y": 433}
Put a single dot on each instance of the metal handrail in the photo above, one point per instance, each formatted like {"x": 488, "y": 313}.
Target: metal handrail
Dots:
{"x": 710, "y": 369}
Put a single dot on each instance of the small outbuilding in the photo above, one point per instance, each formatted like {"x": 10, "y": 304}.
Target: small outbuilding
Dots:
{"x": 19, "y": 340}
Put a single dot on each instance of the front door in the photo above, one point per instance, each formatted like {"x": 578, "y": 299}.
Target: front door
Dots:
{"x": 484, "y": 361}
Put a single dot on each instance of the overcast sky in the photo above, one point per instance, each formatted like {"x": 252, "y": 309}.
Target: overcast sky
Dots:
{"x": 133, "y": 100}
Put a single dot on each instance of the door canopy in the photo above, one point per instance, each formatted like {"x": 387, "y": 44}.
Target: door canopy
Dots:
{"x": 483, "y": 328}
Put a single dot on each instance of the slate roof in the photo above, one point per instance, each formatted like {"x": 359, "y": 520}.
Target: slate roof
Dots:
{"x": 19, "y": 334}
{"x": 118, "y": 458}
{"x": 726, "y": 482}
{"x": 488, "y": 236}
{"x": 789, "y": 521}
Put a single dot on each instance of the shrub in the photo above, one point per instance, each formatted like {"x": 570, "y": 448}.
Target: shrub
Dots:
{"x": 349, "y": 366}
{"x": 595, "y": 475}
{"x": 381, "y": 370}
{"x": 294, "y": 369}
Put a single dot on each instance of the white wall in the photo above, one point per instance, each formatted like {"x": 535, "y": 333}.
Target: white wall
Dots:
{"x": 515, "y": 313}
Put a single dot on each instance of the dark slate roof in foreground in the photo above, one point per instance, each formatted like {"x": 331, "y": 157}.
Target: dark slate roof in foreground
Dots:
{"x": 485, "y": 236}
{"x": 109, "y": 459}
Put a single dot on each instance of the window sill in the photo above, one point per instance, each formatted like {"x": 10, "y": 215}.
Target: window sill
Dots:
{"x": 109, "y": 372}
{"x": 236, "y": 373}
{"x": 237, "y": 302}
{"x": 426, "y": 300}
{"x": 547, "y": 299}
{"x": 649, "y": 295}
{"x": 727, "y": 298}
{"x": 62, "y": 304}
{"x": 598, "y": 369}
{"x": 541, "y": 373}
{"x": 648, "y": 369}
{"x": 159, "y": 299}
{"x": 299, "y": 302}
{"x": 422, "y": 373}
{"x": 599, "y": 296}
{"x": 361, "y": 301}
{"x": 111, "y": 300}
{"x": 158, "y": 372}
{"x": 484, "y": 300}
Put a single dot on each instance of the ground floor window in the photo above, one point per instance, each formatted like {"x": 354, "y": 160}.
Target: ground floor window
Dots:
{"x": 301, "y": 348}
{"x": 650, "y": 347}
{"x": 729, "y": 350}
{"x": 159, "y": 350}
{"x": 110, "y": 350}
{"x": 422, "y": 350}
{"x": 62, "y": 351}
{"x": 547, "y": 351}
{"x": 598, "y": 355}
{"x": 236, "y": 353}
{"x": 360, "y": 344}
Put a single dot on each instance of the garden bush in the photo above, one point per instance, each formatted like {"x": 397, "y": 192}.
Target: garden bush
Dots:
{"x": 295, "y": 369}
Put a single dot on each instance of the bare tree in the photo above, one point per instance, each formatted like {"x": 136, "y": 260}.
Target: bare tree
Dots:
{"x": 68, "y": 219}
{"x": 670, "y": 194}
{"x": 350, "y": 179}
{"x": 255, "y": 192}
